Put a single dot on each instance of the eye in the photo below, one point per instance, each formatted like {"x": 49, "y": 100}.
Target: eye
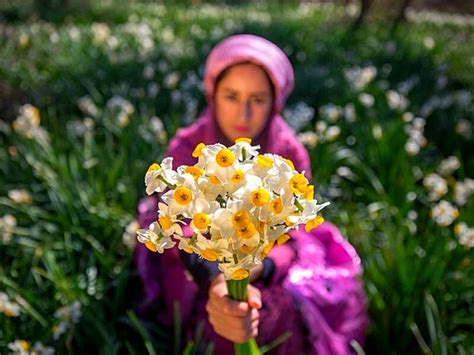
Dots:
{"x": 259, "y": 100}
{"x": 231, "y": 97}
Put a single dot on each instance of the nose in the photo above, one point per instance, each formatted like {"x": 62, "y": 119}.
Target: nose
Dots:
{"x": 247, "y": 112}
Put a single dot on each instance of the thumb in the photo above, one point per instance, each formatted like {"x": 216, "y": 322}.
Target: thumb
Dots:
{"x": 254, "y": 297}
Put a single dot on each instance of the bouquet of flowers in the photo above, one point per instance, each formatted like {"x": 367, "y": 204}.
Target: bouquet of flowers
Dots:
{"x": 238, "y": 203}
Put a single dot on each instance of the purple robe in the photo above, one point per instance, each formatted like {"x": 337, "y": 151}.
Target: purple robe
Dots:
{"x": 315, "y": 291}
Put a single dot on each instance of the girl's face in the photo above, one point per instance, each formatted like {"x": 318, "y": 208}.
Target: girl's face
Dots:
{"x": 244, "y": 99}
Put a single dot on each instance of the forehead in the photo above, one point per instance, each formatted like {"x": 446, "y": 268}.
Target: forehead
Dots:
{"x": 245, "y": 77}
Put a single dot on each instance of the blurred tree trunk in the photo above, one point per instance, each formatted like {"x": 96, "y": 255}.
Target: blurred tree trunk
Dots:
{"x": 363, "y": 13}
{"x": 402, "y": 12}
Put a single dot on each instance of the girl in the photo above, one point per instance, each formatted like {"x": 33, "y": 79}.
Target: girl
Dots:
{"x": 308, "y": 287}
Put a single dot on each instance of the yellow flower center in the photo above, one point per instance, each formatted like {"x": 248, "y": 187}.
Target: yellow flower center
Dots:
{"x": 246, "y": 248}
{"x": 239, "y": 274}
{"x": 165, "y": 222}
{"x": 264, "y": 161}
{"x": 198, "y": 150}
{"x": 276, "y": 205}
{"x": 259, "y": 197}
{"x": 153, "y": 167}
{"x": 214, "y": 180}
{"x": 267, "y": 249}
{"x": 458, "y": 229}
{"x": 242, "y": 139}
{"x": 298, "y": 183}
{"x": 194, "y": 171}
{"x": 150, "y": 246}
{"x": 241, "y": 219}
{"x": 282, "y": 239}
{"x": 8, "y": 312}
{"x": 183, "y": 195}
{"x": 24, "y": 345}
{"x": 201, "y": 220}
{"x": 313, "y": 223}
{"x": 225, "y": 158}
{"x": 209, "y": 254}
{"x": 290, "y": 163}
{"x": 237, "y": 176}
{"x": 247, "y": 231}
{"x": 309, "y": 193}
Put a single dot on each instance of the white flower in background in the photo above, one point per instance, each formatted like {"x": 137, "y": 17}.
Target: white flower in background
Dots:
{"x": 100, "y": 32}
{"x": 331, "y": 112}
{"x": 74, "y": 33}
{"x": 79, "y": 128}
{"x": 7, "y": 227}
{"x": 444, "y": 213}
{"x": 153, "y": 89}
{"x": 129, "y": 236}
{"x": 429, "y": 42}
{"x": 350, "y": 113}
{"x": 396, "y": 101}
{"x": 158, "y": 129}
{"x": 23, "y": 40}
{"x": 298, "y": 115}
{"x": 20, "y": 196}
{"x": 415, "y": 133}
{"x": 67, "y": 316}
{"x": 366, "y": 100}
{"x": 40, "y": 349}
{"x": 112, "y": 42}
{"x": 19, "y": 347}
{"x": 437, "y": 186}
{"x": 463, "y": 191}
{"x": 377, "y": 131}
{"x": 309, "y": 138}
{"x": 465, "y": 235}
{"x": 321, "y": 127}
{"x": 70, "y": 313}
{"x": 87, "y": 106}
{"x": 332, "y": 133}
{"x": 121, "y": 108}
{"x": 7, "y": 307}
{"x": 464, "y": 128}
{"x": 412, "y": 148}
{"x": 171, "y": 80}
{"x": 408, "y": 117}
{"x": 27, "y": 124}
{"x": 359, "y": 77}
{"x": 448, "y": 166}
{"x": 148, "y": 71}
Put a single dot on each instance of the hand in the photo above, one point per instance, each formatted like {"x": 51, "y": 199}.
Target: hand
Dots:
{"x": 233, "y": 320}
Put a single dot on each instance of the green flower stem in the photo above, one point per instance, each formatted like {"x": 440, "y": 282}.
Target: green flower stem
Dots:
{"x": 238, "y": 291}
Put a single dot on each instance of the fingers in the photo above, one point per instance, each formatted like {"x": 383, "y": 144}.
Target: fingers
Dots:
{"x": 218, "y": 297}
{"x": 236, "y": 329}
{"x": 254, "y": 297}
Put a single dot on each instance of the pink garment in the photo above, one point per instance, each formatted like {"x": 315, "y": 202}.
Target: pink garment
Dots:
{"x": 315, "y": 291}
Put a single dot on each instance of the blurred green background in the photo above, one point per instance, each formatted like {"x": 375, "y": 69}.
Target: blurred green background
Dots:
{"x": 90, "y": 94}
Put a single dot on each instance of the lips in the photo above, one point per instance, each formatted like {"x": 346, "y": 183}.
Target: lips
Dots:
{"x": 242, "y": 129}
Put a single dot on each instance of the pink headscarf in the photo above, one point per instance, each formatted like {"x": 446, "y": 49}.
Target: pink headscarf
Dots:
{"x": 277, "y": 137}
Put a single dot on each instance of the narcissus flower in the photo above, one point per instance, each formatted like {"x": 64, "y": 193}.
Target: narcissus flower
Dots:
{"x": 298, "y": 184}
{"x": 259, "y": 197}
{"x": 225, "y": 158}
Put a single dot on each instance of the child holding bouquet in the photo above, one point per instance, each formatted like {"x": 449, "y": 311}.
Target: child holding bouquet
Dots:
{"x": 308, "y": 287}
